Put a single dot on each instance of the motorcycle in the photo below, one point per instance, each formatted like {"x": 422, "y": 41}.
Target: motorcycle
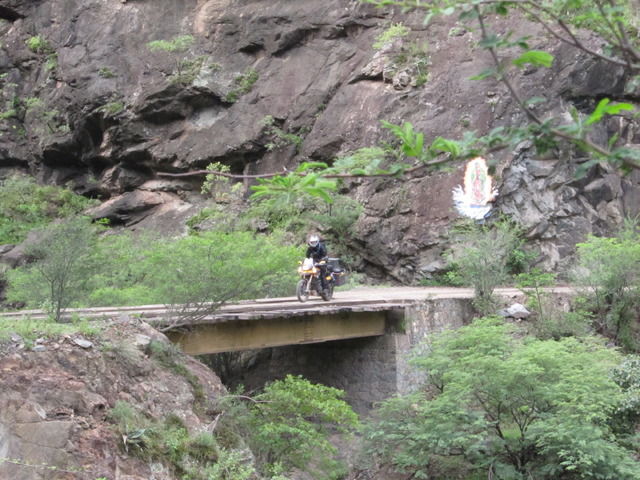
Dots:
{"x": 310, "y": 280}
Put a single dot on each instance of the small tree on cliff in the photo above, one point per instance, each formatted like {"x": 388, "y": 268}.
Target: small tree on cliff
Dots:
{"x": 64, "y": 254}
{"x": 186, "y": 71}
{"x": 482, "y": 254}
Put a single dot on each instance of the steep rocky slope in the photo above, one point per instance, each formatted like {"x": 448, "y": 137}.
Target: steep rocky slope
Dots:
{"x": 56, "y": 396}
{"x": 108, "y": 118}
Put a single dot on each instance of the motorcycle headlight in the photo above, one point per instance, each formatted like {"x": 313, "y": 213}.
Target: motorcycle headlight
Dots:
{"x": 314, "y": 270}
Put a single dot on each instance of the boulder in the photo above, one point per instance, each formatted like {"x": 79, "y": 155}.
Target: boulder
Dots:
{"x": 516, "y": 310}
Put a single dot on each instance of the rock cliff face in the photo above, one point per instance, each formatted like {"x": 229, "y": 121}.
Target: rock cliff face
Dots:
{"x": 94, "y": 105}
{"x": 55, "y": 399}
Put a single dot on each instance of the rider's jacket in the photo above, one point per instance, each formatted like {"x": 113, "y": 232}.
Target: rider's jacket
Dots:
{"x": 319, "y": 252}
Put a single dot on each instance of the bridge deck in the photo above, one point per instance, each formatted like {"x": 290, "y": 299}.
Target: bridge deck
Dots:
{"x": 363, "y": 299}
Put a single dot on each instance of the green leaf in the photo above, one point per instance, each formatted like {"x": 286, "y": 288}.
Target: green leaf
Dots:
{"x": 307, "y": 166}
{"x": 319, "y": 192}
{"x": 469, "y": 14}
{"x": 604, "y": 108}
{"x": 536, "y": 58}
{"x": 490, "y": 41}
{"x": 502, "y": 9}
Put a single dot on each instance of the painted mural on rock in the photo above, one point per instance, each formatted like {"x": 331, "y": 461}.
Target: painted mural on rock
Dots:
{"x": 474, "y": 201}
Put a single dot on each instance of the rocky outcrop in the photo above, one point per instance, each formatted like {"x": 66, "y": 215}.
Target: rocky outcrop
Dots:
{"x": 97, "y": 107}
{"x": 56, "y": 395}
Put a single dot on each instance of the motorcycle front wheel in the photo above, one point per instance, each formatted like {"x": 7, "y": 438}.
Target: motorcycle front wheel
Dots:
{"x": 328, "y": 293}
{"x": 301, "y": 291}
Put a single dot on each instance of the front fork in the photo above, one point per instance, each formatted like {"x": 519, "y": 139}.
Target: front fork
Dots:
{"x": 311, "y": 277}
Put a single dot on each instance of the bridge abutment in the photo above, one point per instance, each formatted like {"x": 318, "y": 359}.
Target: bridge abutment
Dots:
{"x": 368, "y": 369}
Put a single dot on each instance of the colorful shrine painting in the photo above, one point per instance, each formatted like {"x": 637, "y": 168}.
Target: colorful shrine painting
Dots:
{"x": 474, "y": 200}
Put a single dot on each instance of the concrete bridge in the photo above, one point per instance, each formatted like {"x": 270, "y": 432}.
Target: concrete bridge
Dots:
{"x": 363, "y": 312}
{"x": 358, "y": 342}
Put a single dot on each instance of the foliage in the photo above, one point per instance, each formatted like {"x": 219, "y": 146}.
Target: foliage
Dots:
{"x": 533, "y": 284}
{"x": 197, "y": 274}
{"x": 514, "y": 407}
{"x": 230, "y": 465}
{"x": 246, "y": 80}
{"x": 52, "y": 62}
{"x": 273, "y": 432}
{"x": 627, "y": 417}
{"x": 287, "y": 426}
{"x": 337, "y": 221}
{"x": 608, "y": 277}
{"x": 367, "y": 159}
{"x": 64, "y": 261}
{"x": 481, "y": 253}
{"x": 219, "y": 186}
{"x": 112, "y": 108}
{"x": 39, "y": 44}
{"x": 280, "y": 139}
{"x": 106, "y": 72}
{"x": 394, "y": 31}
{"x": 123, "y": 270}
{"x": 30, "y": 329}
{"x": 139, "y": 269}
{"x": 415, "y": 57}
{"x": 8, "y": 114}
{"x": 551, "y": 321}
{"x": 244, "y": 84}
{"x": 561, "y": 19}
{"x": 25, "y": 205}
{"x": 185, "y": 71}
{"x": 287, "y": 189}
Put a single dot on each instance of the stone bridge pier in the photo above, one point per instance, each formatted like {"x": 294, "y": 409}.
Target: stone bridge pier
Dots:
{"x": 368, "y": 369}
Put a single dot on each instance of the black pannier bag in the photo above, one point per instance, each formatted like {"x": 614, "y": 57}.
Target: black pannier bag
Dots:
{"x": 339, "y": 279}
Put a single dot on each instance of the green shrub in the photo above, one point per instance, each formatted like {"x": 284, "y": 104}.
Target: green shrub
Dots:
{"x": 106, "y": 72}
{"x": 185, "y": 71}
{"x": 52, "y": 62}
{"x": 244, "y": 84}
{"x": 112, "y": 108}
{"x": 124, "y": 415}
{"x": 246, "y": 80}
{"x": 8, "y": 114}
{"x": 367, "y": 159}
{"x": 25, "y": 205}
{"x": 287, "y": 426}
{"x": 39, "y": 44}
{"x": 512, "y": 406}
{"x": 481, "y": 253}
{"x": 195, "y": 275}
{"x": 30, "y": 329}
{"x": 609, "y": 281}
{"x": 279, "y": 138}
{"x": 390, "y": 34}
{"x": 65, "y": 260}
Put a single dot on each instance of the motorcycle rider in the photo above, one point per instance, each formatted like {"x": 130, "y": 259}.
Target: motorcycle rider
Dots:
{"x": 318, "y": 252}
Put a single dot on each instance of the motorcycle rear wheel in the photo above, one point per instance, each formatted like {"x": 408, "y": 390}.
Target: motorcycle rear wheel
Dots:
{"x": 301, "y": 291}
{"x": 328, "y": 293}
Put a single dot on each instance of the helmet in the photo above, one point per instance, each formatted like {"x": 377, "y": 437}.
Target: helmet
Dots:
{"x": 314, "y": 240}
